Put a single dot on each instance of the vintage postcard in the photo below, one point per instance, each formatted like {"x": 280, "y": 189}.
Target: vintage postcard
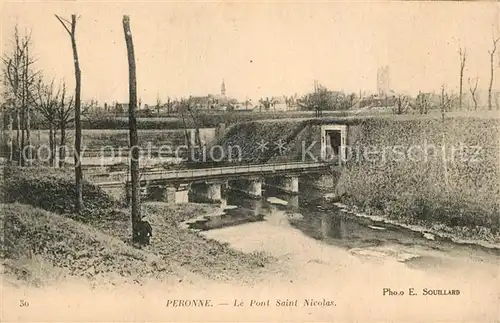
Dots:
{"x": 250, "y": 161}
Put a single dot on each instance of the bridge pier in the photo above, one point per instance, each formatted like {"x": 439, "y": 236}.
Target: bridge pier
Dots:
{"x": 181, "y": 194}
{"x": 247, "y": 179}
{"x": 175, "y": 194}
{"x": 287, "y": 183}
{"x": 250, "y": 186}
{"x": 210, "y": 191}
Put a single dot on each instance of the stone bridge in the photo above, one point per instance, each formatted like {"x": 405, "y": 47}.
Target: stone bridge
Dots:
{"x": 206, "y": 184}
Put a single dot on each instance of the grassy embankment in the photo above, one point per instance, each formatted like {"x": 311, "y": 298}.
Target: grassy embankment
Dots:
{"x": 98, "y": 138}
{"x": 43, "y": 241}
{"x": 460, "y": 197}
{"x": 248, "y": 137}
{"x": 457, "y": 194}
{"x": 204, "y": 119}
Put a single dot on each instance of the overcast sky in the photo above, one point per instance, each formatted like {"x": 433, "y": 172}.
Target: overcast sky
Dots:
{"x": 259, "y": 49}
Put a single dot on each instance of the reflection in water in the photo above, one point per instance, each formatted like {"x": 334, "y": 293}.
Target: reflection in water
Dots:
{"x": 336, "y": 228}
{"x": 292, "y": 200}
{"x": 248, "y": 210}
{"x": 333, "y": 227}
{"x": 321, "y": 220}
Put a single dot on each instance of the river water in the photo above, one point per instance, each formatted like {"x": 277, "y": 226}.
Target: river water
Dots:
{"x": 329, "y": 254}
{"x": 318, "y": 219}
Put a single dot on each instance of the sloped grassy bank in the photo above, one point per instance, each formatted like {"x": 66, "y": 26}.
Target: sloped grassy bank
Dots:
{"x": 39, "y": 246}
{"x": 52, "y": 190}
{"x": 421, "y": 170}
{"x": 44, "y": 241}
{"x": 257, "y": 140}
{"x": 451, "y": 187}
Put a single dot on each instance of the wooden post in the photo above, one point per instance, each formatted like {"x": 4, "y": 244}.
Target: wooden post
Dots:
{"x": 134, "y": 162}
{"x": 78, "y": 126}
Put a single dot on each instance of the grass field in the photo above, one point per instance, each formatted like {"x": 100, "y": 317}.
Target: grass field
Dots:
{"x": 97, "y": 138}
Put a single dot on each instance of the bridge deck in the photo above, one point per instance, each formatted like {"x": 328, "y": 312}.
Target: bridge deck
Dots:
{"x": 226, "y": 172}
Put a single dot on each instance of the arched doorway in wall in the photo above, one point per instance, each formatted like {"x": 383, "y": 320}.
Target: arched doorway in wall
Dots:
{"x": 333, "y": 141}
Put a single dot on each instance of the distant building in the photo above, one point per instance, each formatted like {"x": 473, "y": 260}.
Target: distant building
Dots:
{"x": 278, "y": 104}
{"x": 223, "y": 89}
{"x": 383, "y": 81}
{"x": 215, "y": 102}
{"x": 121, "y": 107}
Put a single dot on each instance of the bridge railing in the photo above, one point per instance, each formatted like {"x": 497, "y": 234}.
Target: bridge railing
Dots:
{"x": 186, "y": 173}
{"x": 215, "y": 171}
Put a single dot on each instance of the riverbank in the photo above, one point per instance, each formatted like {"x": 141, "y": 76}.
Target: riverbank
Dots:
{"x": 42, "y": 248}
{"x": 432, "y": 231}
{"x": 440, "y": 175}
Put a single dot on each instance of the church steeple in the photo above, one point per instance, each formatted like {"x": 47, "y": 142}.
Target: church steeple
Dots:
{"x": 223, "y": 88}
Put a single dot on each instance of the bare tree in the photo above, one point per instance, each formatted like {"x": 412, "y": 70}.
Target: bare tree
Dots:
{"x": 423, "y": 103}
{"x": 492, "y": 72}
{"x": 66, "y": 116}
{"x": 443, "y": 100}
{"x": 268, "y": 103}
{"x": 401, "y": 104}
{"x": 7, "y": 110}
{"x": 472, "y": 89}
{"x": 19, "y": 78}
{"x": 247, "y": 103}
{"x": 187, "y": 108}
{"x": 132, "y": 120}
{"x": 193, "y": 112}
{"x": 45, "y": 100}
{"x": 158, "y": 105}
{"x": 183, "y": 107}
{"x": 447, "y": 101}
{"x": 463, "y": 58}
{"x": 65, "y": 109}
{"x": 169, "y": 104}
{"x": 70, "y": 27}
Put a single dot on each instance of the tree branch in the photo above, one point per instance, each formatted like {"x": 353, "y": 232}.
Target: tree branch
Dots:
{"x": 62, "y": 23}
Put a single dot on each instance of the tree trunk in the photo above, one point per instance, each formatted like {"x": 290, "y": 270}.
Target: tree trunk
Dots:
{"x": 27, "y": 125}
{"x": 28, "y": 134}
{"x": 51, "y": 145}
{"x": 445, "y": 163}
{"x": 442, "y": 104}
{"x": 462, "y": 66}
{"x": 461, "y": 91}
{"x": 62, "y": 143}
{"x": 23, "y": 128}
{"x": 491, "y": 80}
{"x": 18, "y": 134}
{"x": 134, "y": 162}
{"x": 11, "y": 136}
{"x": 186, "y": 134}
{"x": 78, "y": 126}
